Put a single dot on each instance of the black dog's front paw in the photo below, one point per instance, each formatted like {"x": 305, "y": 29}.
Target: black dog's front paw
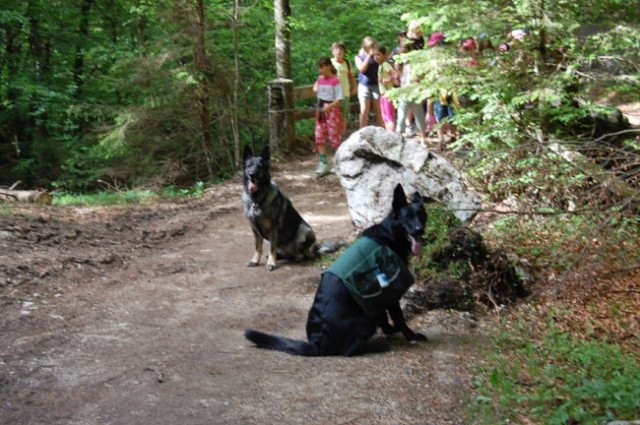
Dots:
{"x": 252, "y": 264}
{"x": 389, "y": 330}
{"x": 417, "y": 337}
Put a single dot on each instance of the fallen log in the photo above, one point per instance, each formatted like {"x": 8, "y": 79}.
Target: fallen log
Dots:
{"x": 34, "y": 196}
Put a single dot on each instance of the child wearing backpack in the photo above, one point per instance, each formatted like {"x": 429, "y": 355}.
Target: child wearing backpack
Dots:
{"x": 347, "y": 80}
{"x": 443, "y": 108}
{"x": 387, "y": 80}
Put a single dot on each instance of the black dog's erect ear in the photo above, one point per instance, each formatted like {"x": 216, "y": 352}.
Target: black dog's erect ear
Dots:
{"x": 247, "y": 152}
{"x": 428, "y": 200}
{"x": 419, "y": 199}
{"x": 266, "y": 153}
{"x": 399, "y": 199}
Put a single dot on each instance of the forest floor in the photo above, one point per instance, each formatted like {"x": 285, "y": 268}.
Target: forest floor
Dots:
{"x": 135, "y": 315}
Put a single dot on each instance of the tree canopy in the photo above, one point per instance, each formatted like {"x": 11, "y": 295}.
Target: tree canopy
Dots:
{"x": 147, "y": 93}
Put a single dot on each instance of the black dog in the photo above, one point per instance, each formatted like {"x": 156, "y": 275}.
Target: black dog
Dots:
{"x": 338, "y": 323}
{"x": 271, "y": 214}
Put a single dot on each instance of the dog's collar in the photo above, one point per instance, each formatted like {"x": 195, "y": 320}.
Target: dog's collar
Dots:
{"x": 270, "y": 196}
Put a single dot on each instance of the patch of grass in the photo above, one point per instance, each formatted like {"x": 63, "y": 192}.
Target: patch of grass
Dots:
{"x": 325, "y": 260}
{"x": 551, "y": 377}
{"x": 104, "y": 198}
{"x": 127, "y": 197}
{"x": 195, "y": 191}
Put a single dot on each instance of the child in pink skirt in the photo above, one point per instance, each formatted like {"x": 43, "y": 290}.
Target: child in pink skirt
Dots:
{"x": 328, "y": 115}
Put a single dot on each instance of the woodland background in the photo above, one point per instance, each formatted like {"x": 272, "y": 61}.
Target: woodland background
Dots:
{"x": 159, "y": 92}
{"x": 115, "y": 96}
{"x": 146, "y": 93}
{"x": 123, "y": 96}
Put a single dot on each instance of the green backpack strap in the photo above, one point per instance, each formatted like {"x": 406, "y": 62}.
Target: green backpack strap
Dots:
{"x": 360, "y": 267}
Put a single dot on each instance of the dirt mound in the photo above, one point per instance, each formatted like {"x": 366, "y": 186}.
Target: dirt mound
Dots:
{"x": 465, "y": 274}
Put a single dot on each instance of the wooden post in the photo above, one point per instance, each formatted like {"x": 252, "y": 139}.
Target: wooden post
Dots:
{"x": 282, "y": 125}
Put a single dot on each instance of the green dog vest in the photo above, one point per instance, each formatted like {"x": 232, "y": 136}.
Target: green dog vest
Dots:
{"x": 374, "y": 275}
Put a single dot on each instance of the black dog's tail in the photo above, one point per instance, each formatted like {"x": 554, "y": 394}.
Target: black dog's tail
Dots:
{"x": 329, "y": 247}
{"x": 272, "y": 342}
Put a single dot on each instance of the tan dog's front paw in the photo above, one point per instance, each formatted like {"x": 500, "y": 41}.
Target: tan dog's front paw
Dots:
{"x": 271, "y": 264}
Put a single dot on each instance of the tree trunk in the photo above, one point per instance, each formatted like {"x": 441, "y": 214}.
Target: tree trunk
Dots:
{"x": 283, "y": 39}
{"x": 236, "y": 86}
{"x": 83, "y": 31}
{"x": 11, "y": 62}
{"x": 141, "y": 25}
{"x": 35, "y": 39}
{"x": 200, "y": 55}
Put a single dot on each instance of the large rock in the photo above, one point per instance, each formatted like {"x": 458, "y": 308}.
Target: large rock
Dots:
{"x": 373, "y": 161}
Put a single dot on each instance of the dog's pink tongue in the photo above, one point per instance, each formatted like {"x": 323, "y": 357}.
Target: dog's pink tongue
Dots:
{"x": 252, "y": 187}
{"x": 416, "y": 246}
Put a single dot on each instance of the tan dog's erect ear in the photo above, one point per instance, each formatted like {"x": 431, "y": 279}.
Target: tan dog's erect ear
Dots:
{"x": 247, "y": 152}
{"x": 266, "y": 153}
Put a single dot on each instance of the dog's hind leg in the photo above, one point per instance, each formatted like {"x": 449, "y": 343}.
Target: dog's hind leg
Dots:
{"x": 363, "y": 346}
{"x": 258, "y": 250}
{"x": 306, "y": 246}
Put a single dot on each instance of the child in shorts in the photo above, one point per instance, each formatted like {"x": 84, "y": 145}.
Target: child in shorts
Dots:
{"x": 443, "y": 108}
{"x": 347, "y": 80}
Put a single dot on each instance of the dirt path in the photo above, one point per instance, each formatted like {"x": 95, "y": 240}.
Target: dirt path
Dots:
{"x": 136, "y": 316}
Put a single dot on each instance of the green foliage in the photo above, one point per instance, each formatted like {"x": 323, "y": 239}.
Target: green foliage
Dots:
{"x": 440, "y": 221}
{"x": 530, "y": 172}
{"x": 195, "y": 191}
{"x": 555, "y": 379}
{"x": 555, "y": 241}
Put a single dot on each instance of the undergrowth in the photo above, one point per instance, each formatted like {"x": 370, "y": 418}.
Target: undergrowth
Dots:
{"x": 570, "y": 242}
{"x": 548, "y": 376}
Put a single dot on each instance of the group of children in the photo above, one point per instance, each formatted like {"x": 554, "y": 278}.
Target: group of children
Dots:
{"x": 337, "y": 83}
{"x": 377, "y": 75}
